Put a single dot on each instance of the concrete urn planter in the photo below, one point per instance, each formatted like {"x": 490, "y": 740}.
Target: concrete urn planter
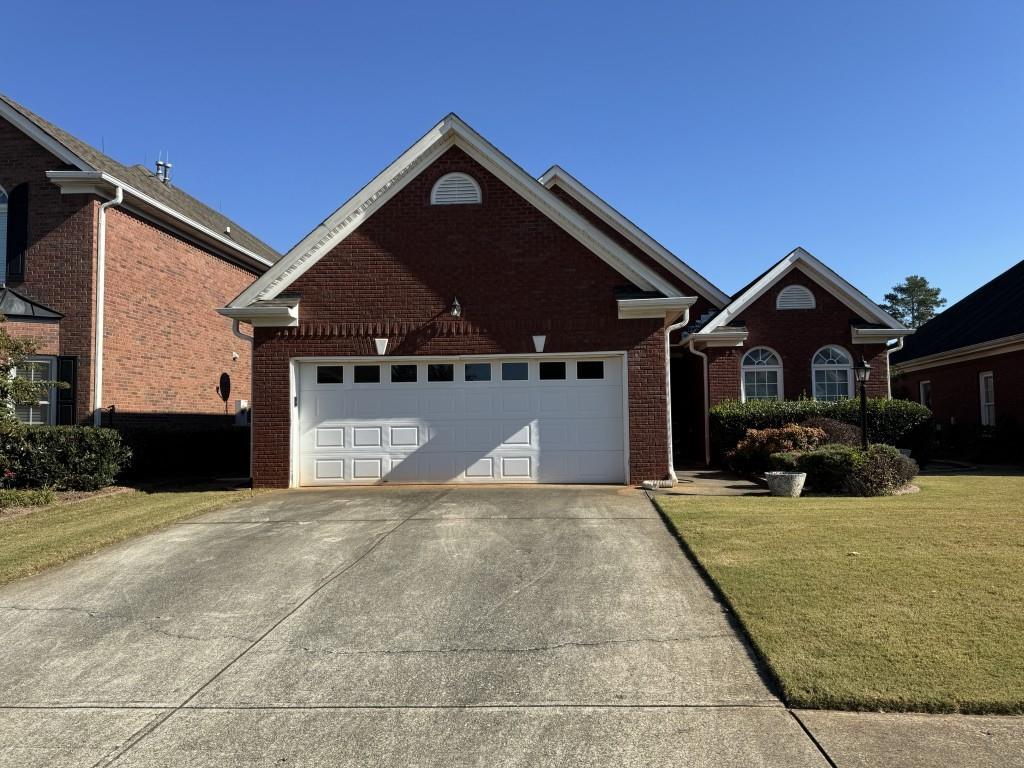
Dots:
{"x": 785, "y": 483}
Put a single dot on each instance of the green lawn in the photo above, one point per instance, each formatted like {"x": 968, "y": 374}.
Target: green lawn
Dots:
{"x": 910, "y": 602}
{"x": 56, "y": 534}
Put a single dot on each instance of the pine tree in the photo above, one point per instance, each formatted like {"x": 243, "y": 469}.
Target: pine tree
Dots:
{"x": 913, "y": 302}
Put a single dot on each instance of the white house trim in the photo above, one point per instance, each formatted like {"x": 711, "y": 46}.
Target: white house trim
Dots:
{"x": 877, "y": 335}
{"x": 265, "y": 316}
{"x": 41, "y": 137}
{"x": 667, "y": 308}
{"x": 556, "y": 175}
{"x": 450, "y": 132}
{"x": 977, "y": 351}
{"x": 103, "y": 184}
{"x": 816, "y": 271}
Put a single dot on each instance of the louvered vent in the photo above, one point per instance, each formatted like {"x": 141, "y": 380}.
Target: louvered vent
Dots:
{"x": 455, "y": 189}
{"x": 795, "y": 297}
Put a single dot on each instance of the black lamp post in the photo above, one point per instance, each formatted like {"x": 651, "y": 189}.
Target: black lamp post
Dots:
{"x": 862, "y": 372}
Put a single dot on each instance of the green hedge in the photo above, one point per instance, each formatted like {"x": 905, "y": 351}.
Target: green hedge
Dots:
{"x": 64, "y": 458}
{"x": 895, "y": 422}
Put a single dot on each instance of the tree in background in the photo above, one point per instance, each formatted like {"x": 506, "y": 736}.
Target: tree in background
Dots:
{"x": 913, "y": 302}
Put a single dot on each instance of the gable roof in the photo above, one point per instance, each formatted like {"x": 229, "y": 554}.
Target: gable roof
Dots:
{"x": 558, "y": 176}
{"x": 993, "y": 311}
{"x": 820, "y": 274}
{"x": 78, "y": 155}
{"x": 450, "y": 132}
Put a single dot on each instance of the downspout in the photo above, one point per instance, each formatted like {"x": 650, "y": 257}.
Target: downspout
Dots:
{"x": 668, "y": 391}
{"x": 707, "y": 417}
{"x": 235, "y": 329}
{"x": 101, "y": 290}
{"x": 252, "y": 378}
{"x": 888, "y": 366}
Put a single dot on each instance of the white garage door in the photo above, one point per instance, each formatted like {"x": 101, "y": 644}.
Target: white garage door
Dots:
{"x": 545, "y": 419}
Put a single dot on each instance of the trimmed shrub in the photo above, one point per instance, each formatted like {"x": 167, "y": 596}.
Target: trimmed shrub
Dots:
{"x": 787, "y": 461}
{"x": 882, "y": 470}
{"x": 829, "y": 467}
{"x": 895, "y": 422}
{"x": 70, "y": 458}
{"x": 836, "y": 431}
{"x": 752, "y": 452}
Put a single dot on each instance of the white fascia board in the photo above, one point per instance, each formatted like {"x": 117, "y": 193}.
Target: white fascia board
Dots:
{"x": 820, "y": 274}
{"x": 98, "y": 183}
{"x": 273, "y": 316}
{"x": 982, "y": 349}
{"x": 659, "y": 308}
{"x": 878, "y": 335}
{"x": 725, "y": 337}
{"x": 583, "y": 195}
{"x": 450, "y": 132}
{"x": 41, "y": 137}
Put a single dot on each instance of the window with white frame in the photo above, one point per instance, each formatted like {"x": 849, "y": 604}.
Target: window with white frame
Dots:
{"x": 762, "y": 375}
{"x": 924, "y": 390}
{"x": 38, "y": 369}
{"x": 832, "y": 374}
{"x": 3, "y": 224}
{"x": 987, "y": 391}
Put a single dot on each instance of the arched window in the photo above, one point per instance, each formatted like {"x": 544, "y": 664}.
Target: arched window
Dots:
{"x": 3, "y": 231}
{"x": 455, "y": 189}
{"x": 832, "y": 374}
{"x": 795, "y": 297}
{"x": 762, "y": 375}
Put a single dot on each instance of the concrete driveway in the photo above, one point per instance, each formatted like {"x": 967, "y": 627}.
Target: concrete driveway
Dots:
{"x": 388, "y": 627}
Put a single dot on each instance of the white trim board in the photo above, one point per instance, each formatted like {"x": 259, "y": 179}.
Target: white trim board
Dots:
{"x": 556, "y": 175}
{"x": 820, "y": 274}
{"x": 977, "y": 351}
{"x": 450, "y": 132}
{"x": 41, "y": 137}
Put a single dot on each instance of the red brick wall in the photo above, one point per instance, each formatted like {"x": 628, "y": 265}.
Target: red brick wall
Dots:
{"x": 58, "y": 265}
{"x": 956, "y": 397}
{"x": 165, "y": 346}
{"x": 514, "y": 271}
{"x": 795, "y": 334}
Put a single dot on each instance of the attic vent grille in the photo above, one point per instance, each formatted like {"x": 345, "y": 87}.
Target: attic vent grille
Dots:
{"x": 795, "y": 297}
{"x": 455, "y": 189}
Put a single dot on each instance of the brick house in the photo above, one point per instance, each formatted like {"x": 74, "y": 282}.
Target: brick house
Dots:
{"x": 459, "y": 320}
{"x": 116, "y": 273}
{"x": 966, "y": 363}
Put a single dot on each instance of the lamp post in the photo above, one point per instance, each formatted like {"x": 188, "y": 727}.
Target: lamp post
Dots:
{"x": 862, "y": 372}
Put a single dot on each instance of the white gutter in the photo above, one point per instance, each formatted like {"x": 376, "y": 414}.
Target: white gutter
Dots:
{"x": 237, "y": 331}
{"x": 707, "y": 416}
{"x": 101, "y": 290}
{"x": 668, "y": 391}
{"x": 888, "y": 367}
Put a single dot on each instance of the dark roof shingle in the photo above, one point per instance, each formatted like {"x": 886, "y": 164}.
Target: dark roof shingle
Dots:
{"x": 994, "y": 311}
{"x": 147, "y": 182}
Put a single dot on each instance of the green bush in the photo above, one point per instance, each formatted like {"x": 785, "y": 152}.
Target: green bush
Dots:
{"x": 895, "y": 422}
{"x": 829, "y": 467}
{"x": 66, "y": 458}
{"x": 786, "y": 461}
{"x": 21, "y": 497}
{"x": 882, "y": 470}
{"x": 835, "y": 431}
{"x": 751, "y": 454}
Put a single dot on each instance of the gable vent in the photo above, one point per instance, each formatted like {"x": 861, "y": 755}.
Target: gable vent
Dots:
{"x": 455, "y": 189}
{"x": 795, "y": 297}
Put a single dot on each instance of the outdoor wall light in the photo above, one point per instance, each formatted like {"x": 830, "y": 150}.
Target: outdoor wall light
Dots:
{"x": 456, "y": 307}
{"x": 538, "y": 343}
{"x": 862, "y": 371}
{"x": 382, "y": 346}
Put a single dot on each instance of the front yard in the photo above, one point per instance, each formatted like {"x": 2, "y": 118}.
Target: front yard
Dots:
{"x": 911, "y": 602}
{"x": 55, "y": 534}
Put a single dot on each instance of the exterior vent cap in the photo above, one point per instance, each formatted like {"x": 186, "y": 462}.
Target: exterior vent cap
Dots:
{"x": 795, "y": 297}
{"x": 455, "y": 189}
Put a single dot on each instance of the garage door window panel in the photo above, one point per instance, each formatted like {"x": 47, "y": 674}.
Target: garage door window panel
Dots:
{"x": 330, "y": 374}
{"x": 403, "y": 374}
{"x": 515, "y": 371}
{"x": 366, "y": 374}
{"x": 553, "y": 371}
{"x": 441, "y": 372}
{"x": 590, "y": 369}
{"x": 478, "y": 372}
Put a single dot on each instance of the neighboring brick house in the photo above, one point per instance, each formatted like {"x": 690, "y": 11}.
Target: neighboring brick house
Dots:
{"x": 967, "y": 363}
{"x": 80, "y": 231}
{"x": 459, "y": 320}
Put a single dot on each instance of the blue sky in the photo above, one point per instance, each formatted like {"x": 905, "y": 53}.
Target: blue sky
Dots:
{"x": 886, "y": 138}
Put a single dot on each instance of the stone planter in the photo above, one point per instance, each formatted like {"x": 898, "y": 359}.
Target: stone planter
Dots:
{"x": 785, "y": 483}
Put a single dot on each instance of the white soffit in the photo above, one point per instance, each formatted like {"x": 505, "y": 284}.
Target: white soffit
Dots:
{"x": 450, "y": 132}
{"x": 556, "y": 175}
{"x": 820, "y": 274}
